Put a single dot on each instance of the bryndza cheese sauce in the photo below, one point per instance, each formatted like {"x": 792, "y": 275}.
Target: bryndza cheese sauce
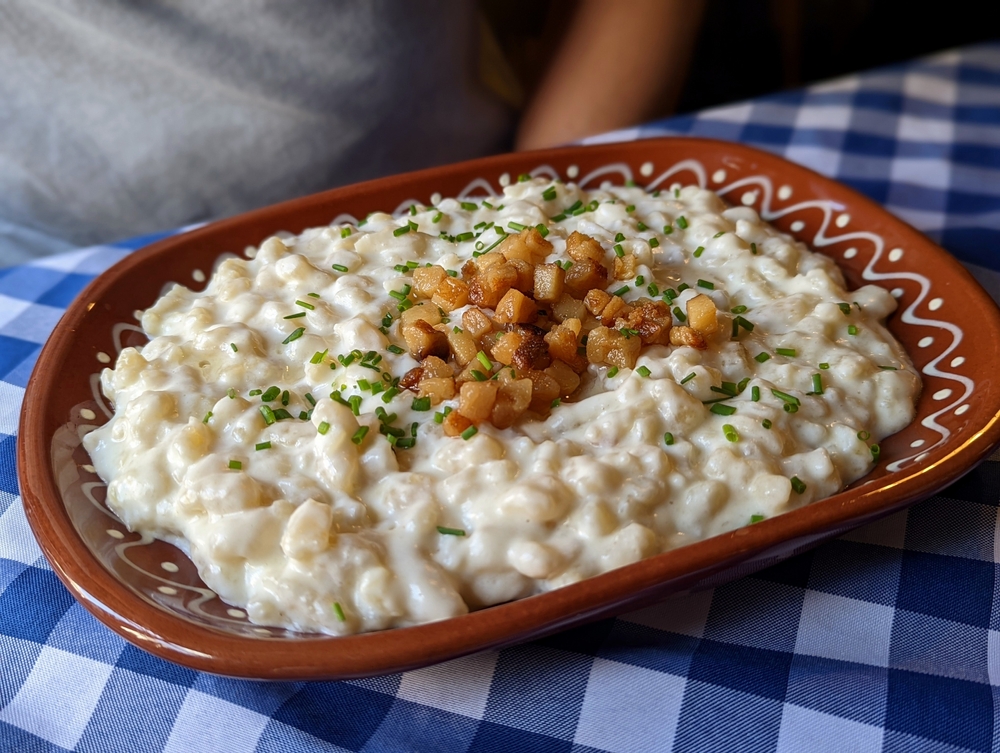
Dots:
{"x": 282, "y": 429}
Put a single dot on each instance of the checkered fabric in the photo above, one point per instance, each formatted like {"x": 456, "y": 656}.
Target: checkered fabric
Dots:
{"x": 887, "y": 639}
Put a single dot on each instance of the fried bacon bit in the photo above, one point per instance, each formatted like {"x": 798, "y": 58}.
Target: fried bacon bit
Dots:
{"x": 520, "y": 345}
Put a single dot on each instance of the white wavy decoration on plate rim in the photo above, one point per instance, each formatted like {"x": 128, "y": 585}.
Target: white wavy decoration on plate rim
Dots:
{"x": 760, "y": 183}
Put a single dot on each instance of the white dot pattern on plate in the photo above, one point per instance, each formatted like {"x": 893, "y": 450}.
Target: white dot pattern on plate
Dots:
{"x": 435, "y": 198}
{"x": 115, "y": 534}
{"x": 103, "y": 357}
{"x": 262, "y": 631}
{"x": 237, "y": 613}
{"x": 198, "y": 275}
{"x": 957, "y": 361}
{"x": 505, "y": 179}
{"x": 917, "y": 443}
{"x": 843, "y": 220}
{"x": 896, "y": 292}
{"x": 718, "y": 176}
{"x": 170, "y": 567}
{"x": 918, "y": 458}
{"x": 88, "y": 468}
{"x": 797, "y": 226}
{"x": 749, "y": 198}
{"x": 605, "y": 185}
{"x": 169, "y": 591}
{"x": 785, "y": 192}
{"x": 896, "y": 254}
{"x": 942, "y": 394}
{"x": 646, "y": 170}
{"x": 961, "y": 409}
{"x": 935, "y": 304}
{"x": 850, "y": 253}
{"x": 87, "y": 414}
{"x": 926, "y": 341}
{"x": 572, "y": 171}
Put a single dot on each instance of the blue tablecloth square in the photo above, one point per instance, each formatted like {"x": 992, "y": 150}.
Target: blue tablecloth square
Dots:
{"x": 16, "y": 739}
{"x": 757, "y": 671}
{"x": 585, "y": 639}
{"x": 921, "y": 643}
{"x": 524, "y": 700}
{"x": 944, "y": 525}
{"x": 948, "y": 587}
{"x": 845, "y": 689}
{"x": 643, "y": 646}
{"x": 759, "y": 613}
{"x": 857, "y": 571}
{"x": 143, "y": 663}
{"x": 78, "y": 633}
{"x": 496, "y": 738}
{"x": 17, "y": 359}
{"x": 340, "y": 713}
{"x": 412, "y": 726}
{"x": 19, "y": 656}
{"x": 793, "y": 571}
{"x": 23, "y": 614}
{"x": 957, "y": 712}
{"x": 262, "y": 697}
{"x": 715, "y": 719}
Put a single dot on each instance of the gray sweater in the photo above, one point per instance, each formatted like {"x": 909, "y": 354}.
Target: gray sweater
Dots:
{"x": 120, "y": 118}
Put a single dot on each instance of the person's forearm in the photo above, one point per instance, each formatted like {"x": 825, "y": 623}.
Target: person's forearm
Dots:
{"x": 620, "y": 61}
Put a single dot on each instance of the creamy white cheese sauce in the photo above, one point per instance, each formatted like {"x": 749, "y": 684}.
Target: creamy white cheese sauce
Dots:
{"x": 309, "y": 526}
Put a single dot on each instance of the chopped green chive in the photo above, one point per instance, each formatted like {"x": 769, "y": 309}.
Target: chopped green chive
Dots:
{"x": 262, "y": 446}
{"x": 706, "y": 284}
{"x": 296, "y": 316}
{"x": 668, "y": 439}
{"x": 682, "y": 222}
{"x": 621, "y": 291}
{"x": 294, "y": 336}
{"x": 401, "y": 230}
{"x": 271, "y": 394}
{"x": 790, "y": 352}
{"x": 756, "y": 519}
{"x": 555, "y": 403}
{"x": 549, "y": 193}
{"x": 668, "y": 229}
{"x": 738, "y": 309}
{"x": 630, "y": 208}
{"x": 640, "y": 226}
{"x": 619, "y": 251}
{"x": 619, "y": 237}
{"x": 824, "y": 365}
{"x": 235, "y": 465}
{"x": 817, "y": 384}
{"x": 421, "y": 403}
{"x": 797, "y": 484}
{"x": 730, "y": 433}
{"x": 253, "y": 393}
{"x": 339, "y": 267}
{"x": 864, "y": 436}
{"x": 285, "y": 397}
{"x": 469, "y": 433}
{"x": 484, "y": 360}
{"x": 762, "y": 356}
{"x": 339, "y": 611}
{"x": 390, "y": 394}
{"x": 754, "y": 394}
{"x": 355, "y": 402}
{"x": 688, "y": 378}
{"x": 233, "y": 346}
{"x": 719, "y": 234}
{"x": 876, "y": 452}
{"x": 852, "y": 330}
{"x": 679, "y": 314}
{"x": 207, "y": 417}
{"x": 345, "y": 232}
{"x": 845, "y": 308}
{"x": 311, "y": 399}
{"x": 395, "y": 349}
{"x": 699, "y": 251}
{"x": 437, "y": 217}
{"x": 722, "y": 410}
{"x": 318, "y": 356}
{"x": 523, "y": 178}
{"x": 654, "y": 243}
{"x": 753, "y": 249}
{"x": 469, "y": 206}
{"x": 745, "y": 323}
{"x": 232, "y": 393}
{"x": 359, "y": 435}
{"x": 653, "y": 289}
{"x": 682, "y": 287}
{"x": 323, "y": 428}
{"x": 640, "y": 280}
{"x": 766, "y": 423}
{"x": 305, "y": 305}
{"x": 450, "y": 531}
{"x": 644, "y": 371}
{"x": 785, "y": 397}
{"x": 613, "y": 371}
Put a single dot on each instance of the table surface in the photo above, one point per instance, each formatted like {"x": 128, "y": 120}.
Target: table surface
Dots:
{"x": 887, "y": 638}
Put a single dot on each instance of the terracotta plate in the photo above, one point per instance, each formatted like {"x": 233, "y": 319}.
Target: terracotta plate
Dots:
{"x": 149, "y": 592}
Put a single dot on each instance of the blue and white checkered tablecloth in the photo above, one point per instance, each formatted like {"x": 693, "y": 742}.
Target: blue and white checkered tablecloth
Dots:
{"x": 887, "y": 639}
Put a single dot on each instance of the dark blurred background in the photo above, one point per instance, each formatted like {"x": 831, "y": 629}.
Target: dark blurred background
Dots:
{"x": 751, "y": 47}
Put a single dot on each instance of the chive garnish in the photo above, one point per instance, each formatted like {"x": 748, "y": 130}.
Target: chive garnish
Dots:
{"x": 355, "y": 402}
{"x": 668, "y": 439}
{"x": 323, "y": 428}
{"x": 542, "y": 230}
{"x": 395, "y": 349}
{"x": 653, "y": 289}
{"x": 762, "y": 356}
{"x": 688, "y": 378}
{"x": 253, "y": 393}
{"x": 630, "y": 208}
{"x": 232, "y": 393}
{"x": 305, "y": 305}
{"x": 682, "y": 287}
{"x": 359, "y": 435}
{"x": 235, "y": 465}
{"x": 421, "y": 403}
{"x": 790, "y": 352}
{"x": 619, "y": 251}
{"x": 262, "y": 446}
{"x": 640, "y": 280}
{"x": 621, "y": 291}
{"x": 294, "y": 336}
{"x": 845, "y": 308}
{"x": 682, "y": 222}
{"x": 437, "y": 217}
{"x": 549, "y": 193}
{"x": 753, "y": 249}
{"x": 233, "y": 346}
{"x": 864, "y": 436}
{"x": 338, "y": 610}
{"x": 469, "y": 433}
{"x": 640, "y": 226}
{"x": 797, "y": 484}
{"x": 668, "y": 229}
{"x": 281, "y": 414}
{"x": 852, "y": 330}
{"x": 644, "y": 371}
{"x": 318, "y": 356}
{"x": 271, "y": 394}
{"x": 345, "y": 232}
{"x": 876, "y": 452}
{"x": 719, "y": 234}
{"x": 699, "y": 251}
{"x": 756, "y": 519}
{"x": 730, "y": 433}
{"x": 450, "y": 531}
{"x": 722, "y": 410}
{"x": 824, "y": 365}
{"x": 738, "y": 309}
{"x": 339, "y": 267}
{"x": 484, "y": 360}
{"x": 817, "y": 380}
{"x": 401, "y": 230}
{"x": 619, "y": 237}
{"x": 612, "y": 372}
{"x": 654, "y": 243}
{"x": 706, "y": 284}
{"x": 295, "y": 316}
{"x": 555, "y": 403}
{"x": 469, "y": 206}
{"x": 390, "y": 394}
{"x": 679, "y": 314}
{"x": 754, "y": 393}
{"x": 785, "y": 397}
{"x": 207, "y": 417}
{"x": 285, "y": 397}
